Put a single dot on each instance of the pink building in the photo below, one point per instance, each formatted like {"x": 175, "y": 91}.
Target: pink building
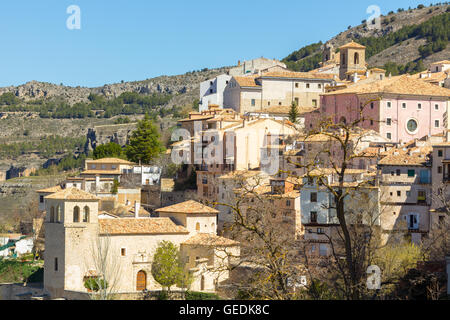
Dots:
{"x": 399, "y": 108}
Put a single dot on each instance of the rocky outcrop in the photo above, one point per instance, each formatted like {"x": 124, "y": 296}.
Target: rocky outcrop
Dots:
{"x": 178, "y": 85}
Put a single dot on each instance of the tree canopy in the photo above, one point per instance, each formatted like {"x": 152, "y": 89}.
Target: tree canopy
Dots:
{"x": 145, "y": 144}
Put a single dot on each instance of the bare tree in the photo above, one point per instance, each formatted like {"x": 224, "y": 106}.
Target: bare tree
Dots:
{"x": 103, "y": 280}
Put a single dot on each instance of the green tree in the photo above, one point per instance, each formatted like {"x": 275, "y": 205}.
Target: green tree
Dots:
{"x": 167, "y": 267}
{"x": 115, "y": 186}
{"x": 145, "y": 144}
{"x": 293, "y": 113}
{"x": 109, "y": 150}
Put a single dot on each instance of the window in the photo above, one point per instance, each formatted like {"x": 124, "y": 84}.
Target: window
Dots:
{"x": 399, "y": 172}
{"x": 123, "y": 252}
{"x": 253, "y": 102}
{"x": 412, "y": 126}
{"x": 113, "y": 167}
{"x": 411, "y": 173}
{"x": 76, "y": 214}
{"x": 356, "y": 58}
{"x": 94, "y": 166}
{"x": 371, "y": 122}
{"x": 103, "y": 166}
{"x": 389, "y": 104}
{"x": 323, "y": 250}
{"x": 419, "y": 106}
{"x": 58, "y": 214}
{"x": 319, "y": 86}
{"x": 436, "y": 107}
{"x": 388, "y": 121}
{"x": 313, "y": 197}
{"x": 296, "y": 101}
{"x": 56, "y": 264}
{"x": 41, "y": 199}
{"x": 52, "y": 214}
{"x": 288, "y": 203}
{"x": 307, "y": 86}
{"x": 197, "y": 227}
{"x": 440, "y": 153}
{"x": 313, "y": 217}
{"x": 421, "y": 196}
{"x": 436, "y": 123}
{"x": 86, "y": 214}
{"x": 372, "y": 105}
{"x": 320, "y": 231}
{"x": 296, "y": 84}
{"x": 439, "y": 169}
{"x": 314, "y": 103}
{"x": 399, "y": 193}
{"x": 404, "y": 105}
{"x": 389, "y": 135}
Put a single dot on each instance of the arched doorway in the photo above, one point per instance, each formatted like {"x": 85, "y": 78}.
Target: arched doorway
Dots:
{"x": 141, "y": 281}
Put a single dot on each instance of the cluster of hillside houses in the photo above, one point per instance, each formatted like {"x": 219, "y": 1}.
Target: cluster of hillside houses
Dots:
{"x": 402, "y": 153}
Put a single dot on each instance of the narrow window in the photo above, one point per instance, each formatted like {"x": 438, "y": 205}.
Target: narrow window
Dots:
{"x": 436, "y": 107}
{"x": 41, "y": 199}
{"x": 399, "y": 172}
{"x": 389, "y": 104}
{"x": 404, "y": 105}
{"x": 313, "y": 197}
{"x": 56, "y": 264}
{"x": 76, "y": 214}
{"x": 389, "y": 135}
{"x": 388, "y": 121}
{"x": 313, "y": 217}
{"x": 440, "y": 153}
{"x": 52, "y": 214}
{"x": 123, "y": 252}
{"x": 86, "y": 214}
{"x": 436, "y": 123}
{"x": 419, "y": 106}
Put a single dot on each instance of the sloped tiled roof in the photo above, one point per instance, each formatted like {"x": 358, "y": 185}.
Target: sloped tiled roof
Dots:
{"x": 188, "y": 207}
{"x": 249, "y": 81}
{"x": 404, "y": 84}
{"x": 50, "y": 190}
{"x": 111, "y": 160}
{"x": 91, "y": 172}
{"x": 206, "y": 239}
{"x": 285, "y": 110}
{"x": 140, "y": 226}
{"x": 407, "y": 155}
{"x": 298, "y": 75}
{"x": 72, "y": 194}
{"x": 352, "y": 44}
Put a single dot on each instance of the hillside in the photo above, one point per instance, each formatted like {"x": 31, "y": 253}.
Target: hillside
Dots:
{"x": 402, "y": 39}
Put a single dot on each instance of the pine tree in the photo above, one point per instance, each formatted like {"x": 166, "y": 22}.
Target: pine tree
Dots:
{"x": 293, "y": 113}
{"x": 145, "y": 144}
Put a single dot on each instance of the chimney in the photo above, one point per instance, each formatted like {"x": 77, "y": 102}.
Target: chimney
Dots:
{"x": 137, "y": 208}
{"x": 239, "y": 63}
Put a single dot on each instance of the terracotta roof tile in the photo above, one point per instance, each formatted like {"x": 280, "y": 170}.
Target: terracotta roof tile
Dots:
{"x": 398, "y": 85}
{"x": 249, "y": 81}
{"x": 111, "y": 160}
{"x": 188, "y": 207}
{"x": 140, "y": 226}
{"x": 50, "y": 190}
{"x": 352, "y": 44}
{"x": 90, "y": 172}
{"x": 298, "y": 75}
{"x": 206, "y": 239}
{"x": 72, "y": 194}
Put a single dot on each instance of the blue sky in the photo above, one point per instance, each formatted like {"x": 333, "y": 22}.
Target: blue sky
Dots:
{"x": 140, "y": 39}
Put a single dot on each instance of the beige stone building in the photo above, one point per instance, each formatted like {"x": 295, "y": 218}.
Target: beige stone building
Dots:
{"x": 76, "y": 235}
{"x": 255, "y": 93}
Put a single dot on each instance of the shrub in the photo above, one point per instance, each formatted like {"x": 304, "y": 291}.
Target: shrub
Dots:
{"x": 193, "y": 295}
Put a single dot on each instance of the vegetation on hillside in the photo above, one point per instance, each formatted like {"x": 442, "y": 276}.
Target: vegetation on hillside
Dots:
{"x": 128, "y": 103}
{"x": 48, "y": 147}
{"x": 435, "y": 30}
